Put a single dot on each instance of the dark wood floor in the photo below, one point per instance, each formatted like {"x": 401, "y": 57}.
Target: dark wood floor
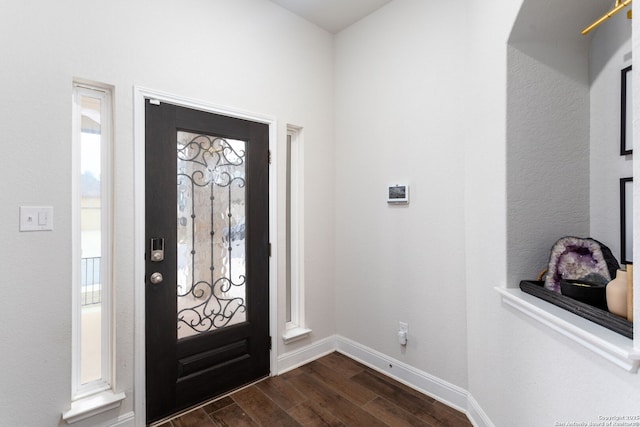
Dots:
{"x": 331, "y": 391}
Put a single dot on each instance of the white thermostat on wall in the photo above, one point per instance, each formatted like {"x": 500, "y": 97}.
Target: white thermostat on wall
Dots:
{"x": 398, "y": 193}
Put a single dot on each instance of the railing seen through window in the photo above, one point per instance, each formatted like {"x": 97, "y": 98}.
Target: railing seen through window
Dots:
{"x": 91, "y": 288}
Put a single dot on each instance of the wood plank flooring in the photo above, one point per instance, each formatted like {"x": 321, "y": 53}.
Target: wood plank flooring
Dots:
{"x": 331, "y": 391}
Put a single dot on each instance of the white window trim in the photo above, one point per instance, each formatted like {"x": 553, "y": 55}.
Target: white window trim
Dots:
{"x": 97, "y": 396}
{"x": 598, "y": 339}
{"x": 95, "y": 404}
{"x": 295, "y": 328}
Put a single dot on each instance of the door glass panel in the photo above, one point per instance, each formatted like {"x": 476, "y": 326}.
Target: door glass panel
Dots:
{"x": 211, "y": 256}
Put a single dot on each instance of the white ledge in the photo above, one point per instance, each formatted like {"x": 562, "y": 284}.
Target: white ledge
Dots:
{"x": 295, "y": 334}
{"x": 598, "y": 339}
{"x": 92, "y": 405}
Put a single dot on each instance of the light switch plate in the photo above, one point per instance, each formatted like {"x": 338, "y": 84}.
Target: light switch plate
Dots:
{"x": 36, "y": 218}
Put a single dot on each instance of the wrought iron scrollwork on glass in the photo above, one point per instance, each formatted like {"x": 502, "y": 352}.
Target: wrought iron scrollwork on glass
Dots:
{"x": 211, "y": 264}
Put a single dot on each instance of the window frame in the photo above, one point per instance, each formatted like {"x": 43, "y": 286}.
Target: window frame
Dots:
{"x": 106, "y": 381}
{"x": 295, "y": 325}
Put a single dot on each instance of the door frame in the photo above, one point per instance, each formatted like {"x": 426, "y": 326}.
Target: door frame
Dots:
{"x": 140, "y": 94}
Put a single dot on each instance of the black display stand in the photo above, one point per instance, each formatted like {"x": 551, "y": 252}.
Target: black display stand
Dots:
{"x": 596, "y": 315}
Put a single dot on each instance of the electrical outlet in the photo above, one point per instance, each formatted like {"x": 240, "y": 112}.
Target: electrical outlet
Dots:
{"x": 403, "y": 326}
{"x": 403, "y": 333}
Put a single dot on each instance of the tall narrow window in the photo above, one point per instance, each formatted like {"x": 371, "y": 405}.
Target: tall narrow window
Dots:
{"x": 290, "y": 316}
{"x": 92, "y": 240}
{"x": 92, "y": 349}
{"x": 295, "y": 322}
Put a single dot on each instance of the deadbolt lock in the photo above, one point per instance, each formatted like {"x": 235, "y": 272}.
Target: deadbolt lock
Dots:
{"x": 157, "y": 249}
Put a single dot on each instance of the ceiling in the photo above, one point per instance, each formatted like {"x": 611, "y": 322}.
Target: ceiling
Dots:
{"x": 336, "y": 15}
{"x": 569, "y": 17}
{"x": 332, "y": 15}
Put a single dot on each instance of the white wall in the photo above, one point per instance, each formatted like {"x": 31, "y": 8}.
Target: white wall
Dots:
{"x": 420, "y": 95}
{"x": 547, "y": 138}
{"x": 547, "y": 157}
{"x": 246, "y": 54}
{"x": 610, "y": 52}
{"x": 519, "y": 372}
{"x": 563, "y": 92}
{"x": 400, "y": 117}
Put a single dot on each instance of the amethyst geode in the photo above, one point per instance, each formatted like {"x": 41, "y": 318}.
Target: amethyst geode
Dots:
{"x": 574, "y": 258}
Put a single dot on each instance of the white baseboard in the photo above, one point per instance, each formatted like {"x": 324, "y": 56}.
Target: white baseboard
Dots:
{"x": 447, "y": 393}
{"x": 297, "y": 358}
{"x": 475, "y": 413}
{"x": 443, "y": 391}
{"x": 437, "y": 388}
{"x": 124, "y": 420}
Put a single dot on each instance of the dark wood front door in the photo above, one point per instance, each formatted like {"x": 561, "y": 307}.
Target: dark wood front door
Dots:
{"x": 207, "y": 266}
